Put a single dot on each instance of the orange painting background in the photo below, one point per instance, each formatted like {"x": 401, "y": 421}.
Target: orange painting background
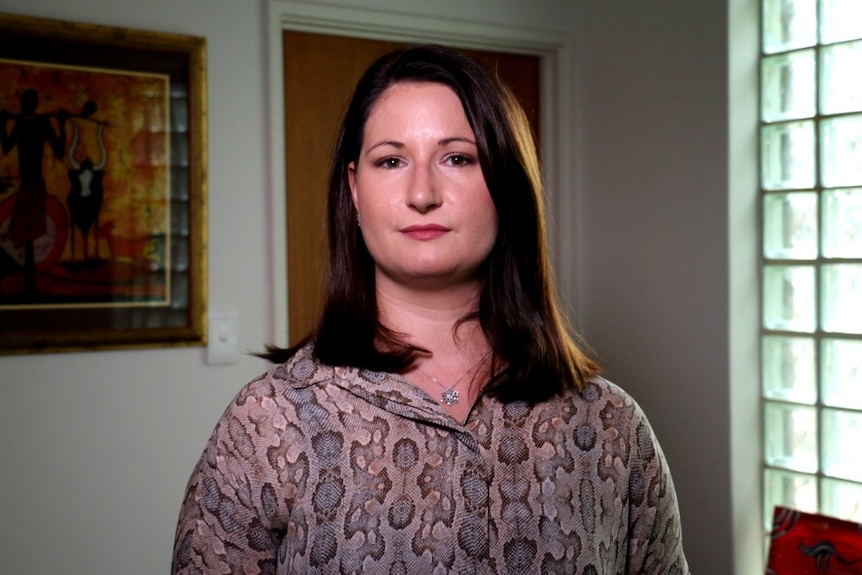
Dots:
{"x": 134, "y": 109}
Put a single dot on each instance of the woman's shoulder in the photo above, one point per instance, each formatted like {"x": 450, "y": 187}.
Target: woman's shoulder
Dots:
{"x": 601, "y": 390}
{"x": 606, "y": 405}
{"x": 301, "y": 371}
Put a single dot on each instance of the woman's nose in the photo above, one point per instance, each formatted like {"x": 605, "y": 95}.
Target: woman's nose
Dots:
{"x": 424, "y": 193}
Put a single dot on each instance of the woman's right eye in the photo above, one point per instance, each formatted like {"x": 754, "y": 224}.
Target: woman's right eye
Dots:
{"x": 389, "y": 162}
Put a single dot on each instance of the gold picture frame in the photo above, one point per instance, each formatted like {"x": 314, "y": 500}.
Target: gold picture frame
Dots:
{"x": 102, "y": 187}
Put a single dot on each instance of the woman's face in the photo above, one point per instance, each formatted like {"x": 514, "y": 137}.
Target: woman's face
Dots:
{"x": 426, "y": 214}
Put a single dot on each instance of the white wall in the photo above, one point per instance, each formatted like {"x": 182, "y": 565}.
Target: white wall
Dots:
{"x": 96, "y": 447}
{"x": 665, "y": 217}
{"x": 667, "y": 290}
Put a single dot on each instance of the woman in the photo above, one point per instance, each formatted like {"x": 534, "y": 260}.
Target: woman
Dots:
{"x": 440, "y": 418}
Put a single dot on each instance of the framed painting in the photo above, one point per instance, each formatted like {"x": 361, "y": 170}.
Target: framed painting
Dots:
{"x": 102, "y": 187}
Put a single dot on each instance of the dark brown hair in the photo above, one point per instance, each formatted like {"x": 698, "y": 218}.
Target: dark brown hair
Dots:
{"x": 534, "y": 351}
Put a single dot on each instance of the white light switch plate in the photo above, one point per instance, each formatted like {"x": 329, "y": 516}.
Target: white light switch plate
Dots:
{"x": 222, "y": 337}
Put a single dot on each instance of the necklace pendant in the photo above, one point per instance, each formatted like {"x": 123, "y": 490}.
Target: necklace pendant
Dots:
{"x": 449, "y": 397}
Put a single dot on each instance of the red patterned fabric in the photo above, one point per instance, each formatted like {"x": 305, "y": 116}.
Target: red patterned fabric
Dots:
{"x": 805, "y": 543}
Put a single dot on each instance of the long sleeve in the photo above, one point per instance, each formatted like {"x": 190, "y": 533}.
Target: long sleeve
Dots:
{"x": 655, "y": 533}
{"x": 229, "y": 522}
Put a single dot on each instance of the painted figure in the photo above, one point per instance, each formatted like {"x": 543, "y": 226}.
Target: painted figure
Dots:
{"x": 86, "y": 194}
{"x": 30, "y": 133}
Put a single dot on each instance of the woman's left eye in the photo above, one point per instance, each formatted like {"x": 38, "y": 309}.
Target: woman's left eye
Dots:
{"x": 458, "y": 160}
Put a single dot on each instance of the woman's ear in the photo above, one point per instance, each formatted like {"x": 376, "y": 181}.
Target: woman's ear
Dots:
{"x": 351, "y": 180}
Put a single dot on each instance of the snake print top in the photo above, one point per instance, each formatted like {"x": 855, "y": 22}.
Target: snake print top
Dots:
{"x": 315, "y": 469}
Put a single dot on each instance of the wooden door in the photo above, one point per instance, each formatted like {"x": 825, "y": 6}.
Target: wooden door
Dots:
{"x": 320, "y": 72}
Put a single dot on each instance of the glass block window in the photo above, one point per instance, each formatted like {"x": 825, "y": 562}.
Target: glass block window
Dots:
{"x": 811, "y": 191}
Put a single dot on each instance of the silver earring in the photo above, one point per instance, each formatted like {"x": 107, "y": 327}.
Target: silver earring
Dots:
{"x": 358, "y": 219}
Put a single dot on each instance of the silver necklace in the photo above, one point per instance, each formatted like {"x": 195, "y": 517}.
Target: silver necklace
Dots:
{"x": 449, "y": 395}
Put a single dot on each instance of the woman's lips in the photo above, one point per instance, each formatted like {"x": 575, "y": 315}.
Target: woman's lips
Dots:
{"x": 424, "y": 231}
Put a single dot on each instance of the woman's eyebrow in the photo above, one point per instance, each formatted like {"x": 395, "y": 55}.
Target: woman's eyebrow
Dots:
{"x": 454, "y": 139}
{"x": 442, "y": 142}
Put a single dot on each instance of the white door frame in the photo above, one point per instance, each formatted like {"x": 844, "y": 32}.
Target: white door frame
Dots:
{"x": 392, "y": 20}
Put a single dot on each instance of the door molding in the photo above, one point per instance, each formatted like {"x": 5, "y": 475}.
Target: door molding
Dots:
{"x": 391, "y": 20}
